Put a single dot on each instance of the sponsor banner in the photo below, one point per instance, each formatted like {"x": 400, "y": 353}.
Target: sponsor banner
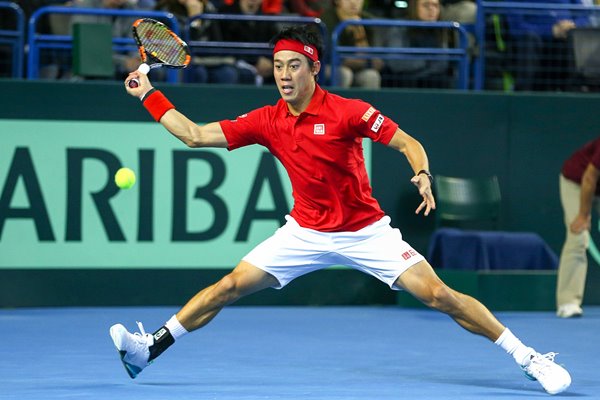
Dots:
{"x": 59, "y": 206}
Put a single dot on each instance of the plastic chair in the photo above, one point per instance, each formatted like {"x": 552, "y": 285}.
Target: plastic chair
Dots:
{"x": 475, "y": 203}
{"x": 586, "y": 55}
{"x": 467, "y": 202}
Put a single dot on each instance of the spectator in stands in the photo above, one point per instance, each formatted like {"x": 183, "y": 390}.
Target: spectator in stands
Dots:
{"x": 595, "y": 15}
{"x": 354, "y": 72}
{"x": 204, "y": 69}
{"x": 53, "y": 64}
{"x": 462, "y": 11}
{"x": 269, "y": 7}
{"x": 418, "y": 72}
{"x": 307, "y": 8}
{"x": 253, "y": 69}
{"x": 540, "y": 46}
{"x": 121, "y": 28}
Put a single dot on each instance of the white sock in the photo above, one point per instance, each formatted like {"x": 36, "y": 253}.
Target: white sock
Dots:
{"x": 174, "y": 326}
{"x": 513, "y": 346}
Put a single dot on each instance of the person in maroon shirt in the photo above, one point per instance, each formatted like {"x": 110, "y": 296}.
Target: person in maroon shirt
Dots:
{"x": 317, "y": 136}
{"x": 578, "y": 191}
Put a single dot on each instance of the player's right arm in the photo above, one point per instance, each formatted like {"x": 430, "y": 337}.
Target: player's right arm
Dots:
{"x": 192, "y": 134}
{"x": 180, "y": 126}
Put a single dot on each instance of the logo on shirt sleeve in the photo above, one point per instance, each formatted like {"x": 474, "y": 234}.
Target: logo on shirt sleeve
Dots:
{"x": 377, "y": 124}
{"x": 408, "y": 254}
{"x": 368, "y": 114}
{"x": 238, "y": 117}
{"x": 319, "y": 129}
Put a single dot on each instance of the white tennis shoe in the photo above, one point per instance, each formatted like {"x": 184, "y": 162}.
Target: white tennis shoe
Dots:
{"x": 569, "y": 310}
{"x": 133, "y": 348}
{"x": 542, "y": 368}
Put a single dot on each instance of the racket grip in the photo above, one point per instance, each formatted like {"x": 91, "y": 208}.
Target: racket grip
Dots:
{"x": 133, "y": 83}
{"x": 144, "y": 68}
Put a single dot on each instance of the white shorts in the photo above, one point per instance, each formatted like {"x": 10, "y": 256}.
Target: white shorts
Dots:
{"x": 293, "y": 251}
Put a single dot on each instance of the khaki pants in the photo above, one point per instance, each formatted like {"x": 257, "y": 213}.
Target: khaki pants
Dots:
{"x": 572, "y": 268}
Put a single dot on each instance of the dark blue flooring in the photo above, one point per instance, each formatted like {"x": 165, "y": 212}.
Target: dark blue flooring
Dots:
{"x": 246, "y": 353}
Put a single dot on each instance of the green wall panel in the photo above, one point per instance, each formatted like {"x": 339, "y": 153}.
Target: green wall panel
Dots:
{"x": 521, "y": 138}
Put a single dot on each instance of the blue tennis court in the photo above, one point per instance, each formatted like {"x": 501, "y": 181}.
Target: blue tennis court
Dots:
{"x": 303, "y": 353}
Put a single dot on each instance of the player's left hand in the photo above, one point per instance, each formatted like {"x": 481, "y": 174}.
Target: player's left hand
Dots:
{"x": 423, "y": 183}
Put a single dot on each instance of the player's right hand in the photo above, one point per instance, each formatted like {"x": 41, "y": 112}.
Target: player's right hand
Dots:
{"x": 143, "y": 87}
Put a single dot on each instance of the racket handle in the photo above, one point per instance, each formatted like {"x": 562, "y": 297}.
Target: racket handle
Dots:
{"x": 144, "y": 68}
{"x": 133, "y": 83}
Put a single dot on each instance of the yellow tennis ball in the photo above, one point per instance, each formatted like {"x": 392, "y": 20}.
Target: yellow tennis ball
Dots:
{"x": 125, "y": 178}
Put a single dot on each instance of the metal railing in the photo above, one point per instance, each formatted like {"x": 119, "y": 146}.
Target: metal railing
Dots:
{"x": 487, "y": 8}
{"x": 38, "y": 41}
{"x": 254, "y": 48}
{"x": 204, "y": 47}
{"x": 15, "y": 38}
{"x": 459, "y": 54}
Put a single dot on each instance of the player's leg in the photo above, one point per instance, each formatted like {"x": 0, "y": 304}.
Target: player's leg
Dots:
{"x": 245, "y": 279}
{"x": 422, "y": 282}
{"x": 138, "y": 350}
{"x": 289, "y": 253}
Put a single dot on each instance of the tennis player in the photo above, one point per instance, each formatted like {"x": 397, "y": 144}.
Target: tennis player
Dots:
{"x": 317, "y": 137}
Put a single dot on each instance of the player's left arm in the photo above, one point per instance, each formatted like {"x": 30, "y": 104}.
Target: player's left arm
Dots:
{"x": 417, "y": 158}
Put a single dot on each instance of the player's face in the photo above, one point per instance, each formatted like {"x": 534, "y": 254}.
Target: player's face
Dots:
{"x": 295, "y": 79}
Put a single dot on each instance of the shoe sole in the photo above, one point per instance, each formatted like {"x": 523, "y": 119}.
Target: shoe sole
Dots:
{"x": 575, "y": 315}
{"x": 555, "y": 391}
{"x": 559, "y": 390}
{"x": 132, "y": 370}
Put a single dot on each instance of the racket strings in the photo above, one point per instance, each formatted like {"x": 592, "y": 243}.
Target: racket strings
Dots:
{"x": 160, "y": 44}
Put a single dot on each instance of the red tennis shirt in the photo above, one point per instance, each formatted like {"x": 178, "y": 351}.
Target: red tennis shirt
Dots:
{"x": 321, "y": 150}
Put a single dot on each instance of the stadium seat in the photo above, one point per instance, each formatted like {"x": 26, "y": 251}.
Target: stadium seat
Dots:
{"x": 467, "y": 202}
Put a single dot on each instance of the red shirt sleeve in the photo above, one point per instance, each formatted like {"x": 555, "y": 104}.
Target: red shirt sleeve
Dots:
{"x": 245, "y": 130}
{"x": 595, "y": 158}
{"x": 373, "y": 124}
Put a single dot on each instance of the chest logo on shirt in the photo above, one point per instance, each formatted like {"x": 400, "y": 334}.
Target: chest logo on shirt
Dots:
{"x": 368, "y": 114}
{"x": 377, "y": 124}
{"x": 319, "y": 129}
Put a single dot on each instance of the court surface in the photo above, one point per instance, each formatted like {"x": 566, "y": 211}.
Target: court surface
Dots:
{"x": 246, "y": 353}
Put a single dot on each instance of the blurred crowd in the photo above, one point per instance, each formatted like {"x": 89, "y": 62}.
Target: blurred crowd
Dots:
{"x": 527, "y": 51}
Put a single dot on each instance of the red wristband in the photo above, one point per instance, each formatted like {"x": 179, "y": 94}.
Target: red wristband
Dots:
{"x": 157, "y": 105}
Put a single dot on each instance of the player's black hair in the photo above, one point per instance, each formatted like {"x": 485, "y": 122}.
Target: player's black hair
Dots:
{"x": 305, "y": 34}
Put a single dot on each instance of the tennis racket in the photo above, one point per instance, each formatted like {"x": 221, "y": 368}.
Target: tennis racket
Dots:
{"x": 158, "y": 47}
